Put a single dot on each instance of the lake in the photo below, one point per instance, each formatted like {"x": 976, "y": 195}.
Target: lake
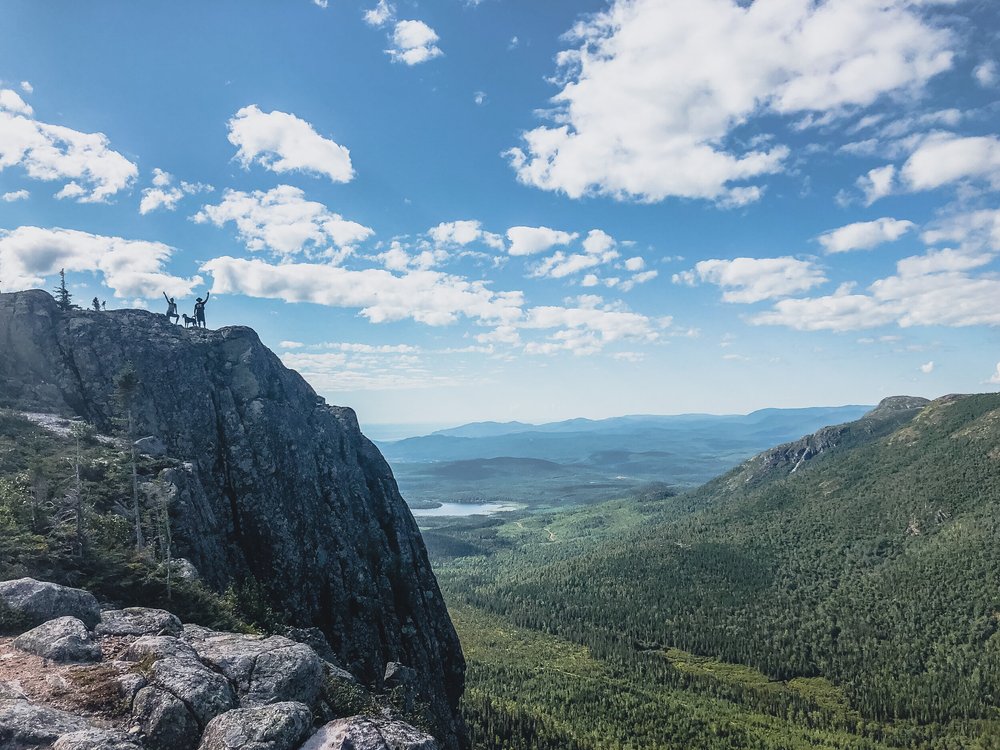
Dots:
{"x": 464, "y": 509}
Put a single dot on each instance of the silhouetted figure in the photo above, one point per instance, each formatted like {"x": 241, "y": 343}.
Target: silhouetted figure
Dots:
{"x": 97, "y": 304}
{"x": 171, "y": 309}
{"x": 188, "y": 320}
{"x": 199, "y": 310}
{"x": 104, "y": 304}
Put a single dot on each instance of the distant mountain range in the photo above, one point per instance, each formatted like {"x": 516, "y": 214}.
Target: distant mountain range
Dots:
{"x": 591, "y": 459}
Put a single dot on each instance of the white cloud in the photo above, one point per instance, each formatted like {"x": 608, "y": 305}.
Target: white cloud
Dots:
{"x": 754, "y": 279}
{"x": 560, "y": 264}
{"x": 532, "y": 240}
{"x": 381, "y": 14}
{"x": 165, "y": 194}
{"x": 414, "y": 42}
{"x": 635, "y": 264}
{"x": 639, "y": 278}
{"x": 281, "y": 142}
{"x": 655, "y": 88}
{"x": 933, "y": 289}
{"x": 943, "y": 158}
{"x": 321, "y": 3}
{"x": 283, "y": 221}
{"x": 132, "y": 268}
{"x": 479, "y": 98}
{"x": 995, "y": 379}
{"x": 92, "y": 170}
{"x": 598, "y": 242}
{"x": 987, "y": 74}
{"x": 972, "y": 230}
{"x": 428, "y": 297}
{"x": 27, "y": 88}
{"x": 291, "y": 344}
{"x": 15, "y": 195}
{"x": 587, "y": 328}
{"x": 462, "y": 233}
{"x": 927, "y": 367}
{"x": 877, "y": 183}
{"x": 366, "y": 371}
{"x": 864, "y": 235}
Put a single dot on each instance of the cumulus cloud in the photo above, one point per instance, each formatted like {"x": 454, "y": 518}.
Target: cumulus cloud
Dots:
{"x": 428, "y": 297}
{"x": 944, "y": 158}
{"x": 533, "y": 240}
{"x": 413, "y": 42}
{"x": 864, "y": 235}
{"x": 131, "y": 268}
{"x": 587, "y": 327}
{"x": 754, "y": 279}
{"x": 878, "y": 183}
{"x": 927, "y": 367}
{"x": 281, "y": 142}
{"x": 165, "y": 194}
{"x": 971, "y": 230}
{"x": 367, "y": 370}
{"x": 462, "y": 233}
{"x": 655, "y": 88}
{"x": 940, "y": 288}
{"x": 995, "y": 379}
{"x": 987, "y": 74}
{"x": 27, "y": 88}
{"x": 15, "y": 195}
{"x": 381, "y": 14}
{"x": 91, "y": 171}
{"x": 283, "y": 221}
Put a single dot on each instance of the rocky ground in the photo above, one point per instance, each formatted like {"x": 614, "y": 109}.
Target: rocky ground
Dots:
{"x": 74, "y": 677}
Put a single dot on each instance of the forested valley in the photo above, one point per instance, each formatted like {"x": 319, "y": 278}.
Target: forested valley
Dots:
{"x": 847, "y": 595}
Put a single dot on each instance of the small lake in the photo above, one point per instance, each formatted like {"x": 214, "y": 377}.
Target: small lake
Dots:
{"x": 464, "y": 509}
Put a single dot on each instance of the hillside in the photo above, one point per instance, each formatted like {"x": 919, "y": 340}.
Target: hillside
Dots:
{"x": 274, "y": 497}
{"x": 839, "y": 590}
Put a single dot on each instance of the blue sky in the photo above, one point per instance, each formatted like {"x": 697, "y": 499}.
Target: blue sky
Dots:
{"x": 450, "y": 211}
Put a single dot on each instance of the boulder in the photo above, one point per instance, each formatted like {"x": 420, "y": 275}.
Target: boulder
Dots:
{"x": 402, "y": 683}
{"x": 184, "y": 569}
{"x": 64, "y": 639}
{"x": 280, "y": 726}
{"x": 314, "y": 639}
{"x": 164, "y": 720}
{"x": 138, "y": 621}
{"x": 25, "y": 725}
{"x": 205, "y": 693}
{"x": 263, "y": 670}
{"x": 158, "y": 647}
{"x": 151, "y": 446}
{"x": 40, "y": 601}
{"x": 363, "y": 733}
{"x": 95, "y": 739}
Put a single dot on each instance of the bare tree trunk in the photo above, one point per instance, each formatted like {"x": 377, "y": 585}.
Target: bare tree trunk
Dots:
{"x": 140, "y": 541}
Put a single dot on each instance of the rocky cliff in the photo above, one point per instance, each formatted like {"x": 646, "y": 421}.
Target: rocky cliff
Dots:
{"x": 279, "y": 489}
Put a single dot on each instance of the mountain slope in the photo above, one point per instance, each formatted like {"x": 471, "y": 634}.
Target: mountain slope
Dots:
{"x": 864, "y": 555}
{"x": 279, "y": 491}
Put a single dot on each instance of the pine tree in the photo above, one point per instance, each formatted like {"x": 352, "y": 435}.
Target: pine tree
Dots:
{"x": 63, "y": 297}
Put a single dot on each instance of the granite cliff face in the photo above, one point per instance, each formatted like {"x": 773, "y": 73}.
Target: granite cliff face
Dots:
{"x": 279, "y": 488}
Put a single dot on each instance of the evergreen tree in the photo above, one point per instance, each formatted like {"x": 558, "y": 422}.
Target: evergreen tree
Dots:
{"x": 63, "y": 297}
{"x": 127, "y": 391}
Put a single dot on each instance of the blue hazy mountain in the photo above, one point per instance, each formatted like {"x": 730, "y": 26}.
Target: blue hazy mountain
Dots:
{"x": 585, "y": 460}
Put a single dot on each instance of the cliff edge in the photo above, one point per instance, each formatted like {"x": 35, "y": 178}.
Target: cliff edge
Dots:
{"x": 278, "y": 488}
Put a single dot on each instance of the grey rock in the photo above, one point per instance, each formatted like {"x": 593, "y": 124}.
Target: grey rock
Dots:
{"x": 314, "y": 639}
{"x": 27, "y": 725}
{"x": 11, "y": 690}
{"x": 281, "y": 489}
{"x": 151, "y": 446}
{"x": 363, "y": 733}
{"x": 184, "y": 569}
{"x": 164, "y": 720}
{"x": 263, "y": 670}
{"x": 40, "y": 601}
{"x": 64, "y": 639}
{"x": 158, "y": 647}
{"x": 204, "y": 693}
{"x": 280, "y": 726}
{"x": 402, "y": 683}
{"x": 138, "y": 621}
{"x": 95, "y": 739}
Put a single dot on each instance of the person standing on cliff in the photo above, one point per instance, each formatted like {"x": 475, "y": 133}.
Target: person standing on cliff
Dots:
{"x": 199, "y": 310}
{"x": 171, "y": 309}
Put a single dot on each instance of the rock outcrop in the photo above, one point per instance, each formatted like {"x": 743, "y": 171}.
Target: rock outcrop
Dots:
{"x": 277, "y": 490}
{"x": 198, "y": 690}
